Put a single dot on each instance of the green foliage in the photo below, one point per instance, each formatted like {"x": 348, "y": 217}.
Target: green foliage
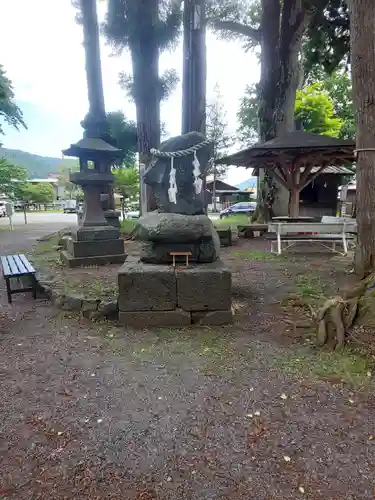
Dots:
{"x": 339, "y": 87}
{"x": 38, "y": 193}
{"x": 167, "y": 84}
{"x": 125, "y": 27}
{"x": 127, "y": 182}
{"x": 248, "y": 115}
{"x": 124, "y": 133}
{"x": 12, "y": 178}
{"x": 9, "y": 111}
{"x": 315, "y": 112}
{"x": 327, "y": 41}
{"x": 217, "y": 129}
{"x": 71, "y": 190}
{"x": 324, "y": 107}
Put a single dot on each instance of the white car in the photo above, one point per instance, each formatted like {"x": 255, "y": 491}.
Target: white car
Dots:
{"x": 132, "y": 214}
{"x": 3, "y": 212}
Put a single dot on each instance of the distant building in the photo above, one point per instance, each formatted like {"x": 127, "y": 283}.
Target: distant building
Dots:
{"x": 225, "y": 194}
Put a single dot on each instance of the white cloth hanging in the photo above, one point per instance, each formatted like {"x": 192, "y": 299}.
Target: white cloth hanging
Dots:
{"x": 172, "y": 191}
{"x": 197, "y": 174}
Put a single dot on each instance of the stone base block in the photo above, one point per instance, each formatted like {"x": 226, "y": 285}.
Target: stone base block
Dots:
{"x": 157, "y": 295}
{"x": 146, "y": 319}
{"x": 213, "y": 318}
{"x": 94, "y": 248}
{"x": 146, "y": 287}
{"x": 206, "y": 287}
{"x": 101, "y": 260}
{"x": 96, "y": 233}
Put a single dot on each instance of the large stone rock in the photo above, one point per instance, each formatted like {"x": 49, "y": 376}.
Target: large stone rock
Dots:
{"x": 205, "y": 287}
{"x": 174, "y": 228}
{"x": 146, "y": 287}
{"x": 189, "y": 190}
{"x": 159, "y": 253}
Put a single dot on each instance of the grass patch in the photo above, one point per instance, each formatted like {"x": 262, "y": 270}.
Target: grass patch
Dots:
{"x": 232, "y": 221}
{"x": 127, "y": 226}
{"x": 255, "y": 255}
{"x": 347, "y": 366}
{"x": 206, "y": 350}
{"x": 309, "y": 286}
{"x": 93, "y": 289}
{"x": 46, "y": 252}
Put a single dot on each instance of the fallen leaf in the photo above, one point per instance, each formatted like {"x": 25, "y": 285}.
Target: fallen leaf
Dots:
{"x": 283, "y": 396}
{"x": 301, "y": 489}
{"x": 371, "y": 438}
{"x": 351, "y": 401}
{"x": 286, "y": 458}
{"x": 257, "y": 413}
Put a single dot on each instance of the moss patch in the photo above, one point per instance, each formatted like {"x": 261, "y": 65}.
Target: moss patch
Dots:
{"x": 346, "y": 366}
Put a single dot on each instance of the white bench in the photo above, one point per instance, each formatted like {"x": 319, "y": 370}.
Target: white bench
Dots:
{"x": 323, "y": 233}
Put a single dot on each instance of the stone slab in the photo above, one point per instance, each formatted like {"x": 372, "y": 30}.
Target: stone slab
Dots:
{"x": 214, "y": 318}
{"x": 146, "y": 287}
{"x": 149, "y": 319}
{"x": 94, "y": 248}
{"x": 103, "y": 260}
{"x": 204, "y": 287}
{"x": 96, "y": 233}
{"x": 159, "y": 253}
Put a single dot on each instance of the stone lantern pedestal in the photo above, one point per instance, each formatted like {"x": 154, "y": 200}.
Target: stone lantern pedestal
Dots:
{"x": 95, "y": 242}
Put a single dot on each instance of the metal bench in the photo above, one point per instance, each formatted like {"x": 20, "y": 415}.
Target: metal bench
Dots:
{"x": 16, "y": 267}
{"x": 323, "y": 233}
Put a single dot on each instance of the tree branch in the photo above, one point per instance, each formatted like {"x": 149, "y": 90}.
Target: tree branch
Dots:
{"x": 239, "y": 29}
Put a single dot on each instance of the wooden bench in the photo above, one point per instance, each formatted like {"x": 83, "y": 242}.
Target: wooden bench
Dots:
{"x": 248, "y": 231}
{"x": 323, "y": 233}
{"x": 16, "y": 267}
{"x": 180, "y": 254}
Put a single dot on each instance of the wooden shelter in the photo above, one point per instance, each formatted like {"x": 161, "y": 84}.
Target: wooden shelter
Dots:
{"x": 296, "y": 159}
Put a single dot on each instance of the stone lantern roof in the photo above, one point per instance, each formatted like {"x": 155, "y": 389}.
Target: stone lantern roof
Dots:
{"x": 91, "y": 149}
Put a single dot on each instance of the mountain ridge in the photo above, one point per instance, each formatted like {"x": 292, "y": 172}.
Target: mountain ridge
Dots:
{"x": 37, "y": 166}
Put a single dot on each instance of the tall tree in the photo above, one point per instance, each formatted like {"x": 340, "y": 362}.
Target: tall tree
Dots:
{"x": 279, "y": 28}
{"x": 145, "y": 28}
{"x": 217, "y": 132}
{"x": 10, "y": 113}
{"x": 362, "y": 14}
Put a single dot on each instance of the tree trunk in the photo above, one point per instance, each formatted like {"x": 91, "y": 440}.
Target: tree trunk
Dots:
{"x": 145, "y": 62}
{"x": 280, "y": 77}
{"x": 194, "y": 67}
{"x": 363, "y": 72}
{"x": 294, "y": 202}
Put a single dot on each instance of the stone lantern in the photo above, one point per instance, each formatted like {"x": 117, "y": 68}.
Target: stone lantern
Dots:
{"x": 95, "y": 242}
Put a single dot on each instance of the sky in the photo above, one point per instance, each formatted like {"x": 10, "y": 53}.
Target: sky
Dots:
{"x": 45, "y": 61}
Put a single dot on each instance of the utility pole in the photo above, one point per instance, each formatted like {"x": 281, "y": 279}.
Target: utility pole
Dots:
{"x": 194, "y": 67}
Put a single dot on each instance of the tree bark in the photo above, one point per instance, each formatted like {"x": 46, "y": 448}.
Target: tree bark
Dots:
{"x": 294, "y": 202}
{"x": 194, "y": 67}
{"x": 145, "y": 63}
{"x": 362, "y": 14}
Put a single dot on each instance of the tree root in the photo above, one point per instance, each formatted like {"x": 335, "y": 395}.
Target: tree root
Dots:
{"x": 333, "y": 320}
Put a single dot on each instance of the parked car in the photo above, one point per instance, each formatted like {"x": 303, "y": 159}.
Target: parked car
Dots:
{"x": 3, "y": 211}
{"x": 70, "y": 206}
{"x": 132, "y": 214}
{"x": 244, "y": 207}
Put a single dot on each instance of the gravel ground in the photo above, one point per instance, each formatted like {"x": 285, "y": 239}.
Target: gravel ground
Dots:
{"x": 90, "y": 411}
